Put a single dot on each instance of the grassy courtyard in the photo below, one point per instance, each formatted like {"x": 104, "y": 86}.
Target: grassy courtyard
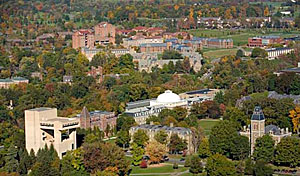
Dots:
{"x": 207, "y": 125}
{"x": 164, "y": 168}
{"x": 213, "y": 54}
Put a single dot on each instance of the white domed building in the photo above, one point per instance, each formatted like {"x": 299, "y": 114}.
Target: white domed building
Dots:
{"x": 168, "y": 99}
{"x": 141, "y": 110}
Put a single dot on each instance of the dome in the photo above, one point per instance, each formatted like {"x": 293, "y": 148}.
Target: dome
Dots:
{"x": 168, "y": 97}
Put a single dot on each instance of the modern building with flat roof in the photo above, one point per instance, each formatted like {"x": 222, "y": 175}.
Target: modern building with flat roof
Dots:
{"x": 43, "y": 127}
{"x": 6, "y": 83}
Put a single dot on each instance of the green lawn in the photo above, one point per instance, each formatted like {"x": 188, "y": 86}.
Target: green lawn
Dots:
{"x": 212, "y": 54}
{"x": 207, "y": 125}
{"x": 163, "y": 169}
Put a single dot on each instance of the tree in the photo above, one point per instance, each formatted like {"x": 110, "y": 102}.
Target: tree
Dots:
{"x": 177, "y": 144}
{"x": 295, "y": 116}
{"x": 240, "y": 149}
{"x": 197, "y": 135}
{"x": 258, "y": 52}
{"x": 47, "y": 162}
{"x": 222, "y": 138}
{"x": 219, "y": 165}
{"x": 204, "y": 150}
{"x": 123, "y": 138}
{"x": 99, "y": 156}
{"x": 125, "y": 122}
{"x": 236, "y": 116}
{"x": 260, "y": 168}
{"x": 155, "y": 151}
{"x": 264, "y": 149}
{"x": 196, "y": 165}
{"x": 239, "y": 53}
{"x": 11, "y": 160}
{"x": 72, "y": 164}
{"x": 161, "y": 137}
{"x": 287, "y": 152}
{"x": 137, "y": 154}
{"x": 140, "y": 137}
{"x": 266, "y": 12}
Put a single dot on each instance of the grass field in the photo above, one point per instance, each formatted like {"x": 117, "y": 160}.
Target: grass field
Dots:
{"x": 212, "y": 54}
{"x": 167, "y": 168}
{"x": 207, "y": 125}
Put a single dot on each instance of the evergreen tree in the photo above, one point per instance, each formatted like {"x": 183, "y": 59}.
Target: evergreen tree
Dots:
{"x": 264, "y": 149}
{"x": 196, "y": 165}
{"x": 11, "y": 159}
{"x": 204, "y": 150}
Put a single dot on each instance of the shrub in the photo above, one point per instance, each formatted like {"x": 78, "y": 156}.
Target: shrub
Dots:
{"x": 143, "y": 164}
{"x": 175, "y": 166}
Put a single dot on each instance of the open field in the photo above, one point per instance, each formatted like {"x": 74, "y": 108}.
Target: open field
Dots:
{"x": 240, "y": 37}
{"x": 213, "y": 54}
{"x": 166, "y": 168}
{"x": 207, "y": 125}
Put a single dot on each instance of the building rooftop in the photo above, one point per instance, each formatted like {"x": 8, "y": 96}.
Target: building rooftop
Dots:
{"x": 273, "y": 128}
{"x": 258, "y": 114}
{"x": 153, "y": 45}
{"x": 180, "y": 130}
{"x": 40, "y": 109}
{"x": 201, "y": 91}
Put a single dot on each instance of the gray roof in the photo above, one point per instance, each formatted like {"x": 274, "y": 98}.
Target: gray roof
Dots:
{"x": 180, "y": 130}
{"x": 40, "y": 109}
{"x": 273, "y": 128}
{"x": 258, "y": 114}
{"x": 153, "y": 45}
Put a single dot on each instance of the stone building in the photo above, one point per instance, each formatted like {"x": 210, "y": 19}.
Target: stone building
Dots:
{"x": 151, "y": 130}
{"x": 258, "y": 129}
{"x": 100, "y": 119}
{"x": 6, "y": 83}
{"x": 43, "y": 127}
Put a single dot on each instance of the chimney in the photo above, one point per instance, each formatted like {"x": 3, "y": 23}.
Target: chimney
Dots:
{"x": 287, "y": 130}
{"x": 171, "y": 125}
{"x": 282, "y": 131}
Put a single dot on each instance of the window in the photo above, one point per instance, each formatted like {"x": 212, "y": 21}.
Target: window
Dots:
{"x": 72, "y": 146}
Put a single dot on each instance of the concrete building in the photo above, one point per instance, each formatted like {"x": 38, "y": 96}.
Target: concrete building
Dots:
{"x": 6, "y": 83}
{"x": 151, "y": 130}
{"x": 258, "y": 129}
{"x": 276, "y": 52}
{"x": 141, "y": 110}
{"x": 209, "y": 94}
{"x": 43, "y": 127}
{"x": 105, "y": 33}
{"x": 90, "y": 52}
{"x": 292, "y": 70}
{"x": 100, "y": 119}
{"x": 83, "y": 38}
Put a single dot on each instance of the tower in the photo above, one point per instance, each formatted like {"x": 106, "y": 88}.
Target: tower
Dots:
{"x": 85, "y": 119}
{"x": 257, "y": 126}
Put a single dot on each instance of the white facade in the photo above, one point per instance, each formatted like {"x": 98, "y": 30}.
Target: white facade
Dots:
{"x": 43, "y": 127}
{"x": 275, "y": 52}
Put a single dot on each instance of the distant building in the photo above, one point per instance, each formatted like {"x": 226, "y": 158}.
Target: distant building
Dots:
{"x": 292, "y": 70}
{"x": 105, "y": 33}
{"x": 276, "y": 52}
{"x": 209, "y": 94}
{"x": 90, "y": 52}
{"x": 214, "y": 42}
{"x": 83, "y": 38}
{"x": 97, "y": 73}
{"x": 141, "y": 110}
{"x": 264, "y": 41}
{"x": 6, "y": 83}
{"x": 67, "y": 79}
{"x": 100, "y": 119}
{"x": 43, "y": 127}
{"x": 153, "y": 47}
{"x": 258, "y": 129}
{"x": 151, "y": 130}
{"x": 37, "y": 75}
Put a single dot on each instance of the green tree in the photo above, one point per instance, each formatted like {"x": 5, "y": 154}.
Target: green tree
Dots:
{"x": 140, "y": 137}
{"x": 240, "y": 149}
{"x": 161, "y": 137}
{"x": 11, "y": 159}
{"x": 260, "y": 168}
{"x": 125, "y": 122}
{"x": 204, "y": 150}
{"x": 196, "y": 165}
{"x": 264, "y": 149}
{"x": 123, "y": 138}
{"x": 137, "y": 154}
{"x": 177, "y": 144}
{"x": 99, "y": 156}
{"x": 258, "y": 52}
{"x": 239, "y": 53}
{"x": 236, "y": 116}
{"x": 287, "y": 152}
{"x": 219, "y": 165}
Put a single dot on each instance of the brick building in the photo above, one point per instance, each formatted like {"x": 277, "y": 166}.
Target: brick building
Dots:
{"x": 105, "y": 33}
{"x": 83, "y": 38}
{"x": 153, "y": 47}
{"x": 264, "y": 41}
{"x": 101, "y": 119}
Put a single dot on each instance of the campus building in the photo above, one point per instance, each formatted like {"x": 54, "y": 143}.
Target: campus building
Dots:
{"x": 6, "y": 83}
{"x": 151, "y": 130}
{"x": 43, "y": 127}
{"x": 100, "y": 119}
{"x": 83, "y": 38}
{"x": 276, "y": 52}
{"x": 258, "y": 129}
{"x": 141, "y": 110}
{"x": 105, "y": 33}
{"x": 264, "y": 41}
